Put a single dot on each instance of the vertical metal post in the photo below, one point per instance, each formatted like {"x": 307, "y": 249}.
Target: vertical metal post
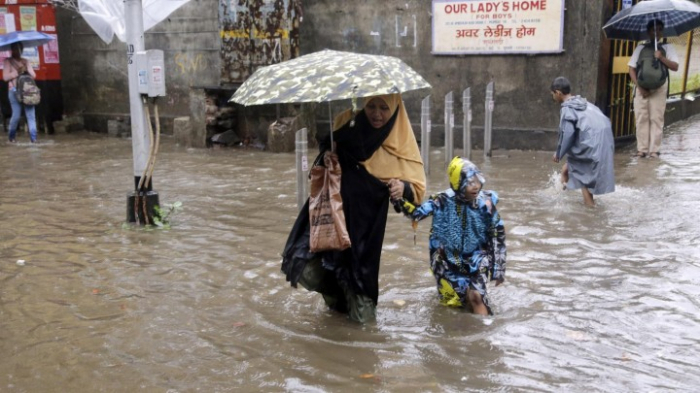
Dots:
{"x": 467, "y": 130}
{"x": 302, "y": 151}
{"x": 140, "y": 204}
{"x": 449, "y": 128}
{"x": 425, "y": 133}
{"x": 488, "y": 124}
{"x": 330, "y": 122}
{"x": 133, "y": 12}
{"x": 688, "y": 52}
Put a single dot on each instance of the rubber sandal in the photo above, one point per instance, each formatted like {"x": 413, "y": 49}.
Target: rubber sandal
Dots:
{"x": 654, "y": 155}
{"x": 641, "y": 154}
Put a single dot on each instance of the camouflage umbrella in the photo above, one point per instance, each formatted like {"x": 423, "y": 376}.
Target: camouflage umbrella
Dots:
{"x": 328, "y": 75}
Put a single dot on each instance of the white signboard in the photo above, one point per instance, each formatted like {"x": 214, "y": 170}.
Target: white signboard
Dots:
{"x": 497, "y": 26}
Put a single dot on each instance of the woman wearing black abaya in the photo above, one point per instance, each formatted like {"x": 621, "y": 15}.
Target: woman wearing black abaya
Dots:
{"x": 380, "y": 159}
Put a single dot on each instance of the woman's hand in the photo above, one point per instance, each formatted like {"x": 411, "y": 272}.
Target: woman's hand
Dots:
{"x": 395, "y": 188}
{"x": 332, "y": 155}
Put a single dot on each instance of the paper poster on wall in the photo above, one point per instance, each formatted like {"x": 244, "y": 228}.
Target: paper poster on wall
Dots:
{"x": 7, "y": 25}
{"x": 3, "y": 12}
{"x": 497, "y": 26}
{"x": 51, "y": 51}
{"x": 10, "y": 23}
{"x": 32, "y": 54}
{"x": 27, "y": 18}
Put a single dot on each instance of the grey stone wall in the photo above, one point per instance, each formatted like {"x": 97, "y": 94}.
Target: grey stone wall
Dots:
{"x": 94, "y": 74}
{"x": 523, "y": 104}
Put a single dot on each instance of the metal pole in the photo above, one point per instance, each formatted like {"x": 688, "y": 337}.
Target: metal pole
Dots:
{"x": 688, "y": 52}
{"x": 425, "y": 133}
{"x": 449, "y": 128}
{"x": 488, "y": 120}
{"x": 141, "y": 202}
{"x": 467, "y": 130}
{"x": 330, "y": 121}
{"x": 133, "y": 12}
{"x": 302, "y": 149}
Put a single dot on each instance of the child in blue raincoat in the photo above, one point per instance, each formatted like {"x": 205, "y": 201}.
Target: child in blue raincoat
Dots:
{"x": 467, "y": 238}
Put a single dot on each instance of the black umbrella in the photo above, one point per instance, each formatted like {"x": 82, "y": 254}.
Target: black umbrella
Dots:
{"x": 678, "y": 17}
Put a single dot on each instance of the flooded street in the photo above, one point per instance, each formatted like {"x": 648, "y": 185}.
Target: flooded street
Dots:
{"x": 595, "y": 300}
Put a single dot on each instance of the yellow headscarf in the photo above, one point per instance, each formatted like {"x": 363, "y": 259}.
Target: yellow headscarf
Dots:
{"x": 399, "y": 156}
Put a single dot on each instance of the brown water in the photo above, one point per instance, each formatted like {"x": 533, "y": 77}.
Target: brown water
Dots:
{"x": 596, "y": 300}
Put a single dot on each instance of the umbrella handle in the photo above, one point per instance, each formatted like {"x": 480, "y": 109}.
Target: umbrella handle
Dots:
{"x": 354, "y": 105}
{"x": 330, "y": 122}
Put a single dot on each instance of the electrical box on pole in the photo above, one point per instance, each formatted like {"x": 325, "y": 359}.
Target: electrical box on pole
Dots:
{"x": 151, "y": 72}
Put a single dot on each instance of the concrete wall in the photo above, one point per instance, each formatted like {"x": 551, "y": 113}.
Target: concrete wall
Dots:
{"x": 522, "y": 100}
{"x": 94, "y": 79}
{"x": 94, "y": 74}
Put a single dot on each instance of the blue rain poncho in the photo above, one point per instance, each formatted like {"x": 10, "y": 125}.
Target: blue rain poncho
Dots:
{"x": 586, "y": 138}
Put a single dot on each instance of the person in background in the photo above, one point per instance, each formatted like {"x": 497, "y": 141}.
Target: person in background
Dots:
{"x": 586, "y": 139}
{"x": 380, "y": 162}
{"x": 13, "y": 67}
{"x": 650, "y": 105}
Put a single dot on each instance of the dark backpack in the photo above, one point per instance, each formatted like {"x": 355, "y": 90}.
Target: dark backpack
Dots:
{"x": 651, "y": 72}
{"x": 26, "y": 90}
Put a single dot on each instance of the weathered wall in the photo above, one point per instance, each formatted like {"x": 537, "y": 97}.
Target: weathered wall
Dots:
{"x": 256, "y": 33}
{"x": 209, "y": 45}
{"x": 522, "y": 99}
{"x": 94, "y": 74}
{"x": 199, "y": 41}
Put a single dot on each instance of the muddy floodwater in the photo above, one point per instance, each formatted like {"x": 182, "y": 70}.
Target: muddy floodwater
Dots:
{"x": 596, "y": 300}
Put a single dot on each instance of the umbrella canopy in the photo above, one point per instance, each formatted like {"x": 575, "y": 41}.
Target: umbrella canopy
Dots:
{"x": 328, "y": 75}
{"x": 29, "y": 39}
{"x": 678, "y": 17}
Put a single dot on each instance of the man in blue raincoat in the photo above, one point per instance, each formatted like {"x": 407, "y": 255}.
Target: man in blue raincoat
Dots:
{"x": 586, "y": 139}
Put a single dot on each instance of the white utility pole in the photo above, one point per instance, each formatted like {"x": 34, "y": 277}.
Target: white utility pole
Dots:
{"x": 140, "y": 204}
{"x": 133, "y": 12}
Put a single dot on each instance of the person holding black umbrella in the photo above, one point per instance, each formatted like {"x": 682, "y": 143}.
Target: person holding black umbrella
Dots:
{"x": 13, "y": 67}
{"x": 650, "y": 101}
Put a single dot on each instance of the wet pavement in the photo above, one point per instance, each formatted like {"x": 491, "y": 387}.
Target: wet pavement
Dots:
{"x": 596, "y": 300}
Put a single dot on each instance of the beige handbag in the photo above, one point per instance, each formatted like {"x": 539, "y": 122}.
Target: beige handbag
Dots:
{"x": 326, "y": 217}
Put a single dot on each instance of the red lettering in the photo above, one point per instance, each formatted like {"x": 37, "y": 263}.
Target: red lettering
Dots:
{"x": 532, "y": 5}
{"x": 456, "y": 9}
{"x": 490, "y": 7}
